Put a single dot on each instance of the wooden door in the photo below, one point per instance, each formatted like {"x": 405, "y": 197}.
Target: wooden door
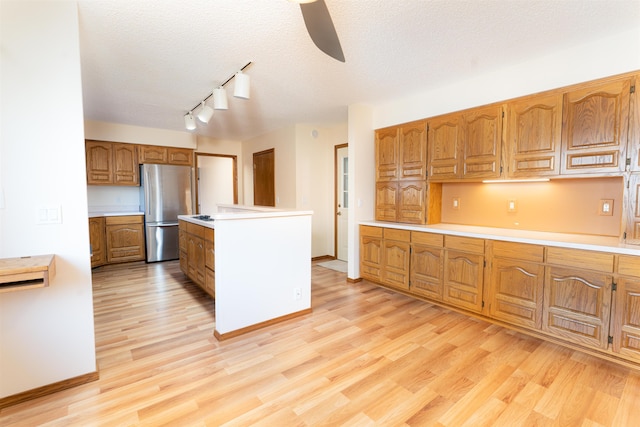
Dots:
{"x": 264, "y": 186}
{"x": 445, "y": 147}
{"x": 386, "y": 201}
{"x": 626, "y": 315}
{"x": 412, "y": 200}
{"x": 413, "y": 151}
{"x": 126, "y": 170}
{"x": 577, "y": 305}
{"x": 370, "y": 252}
{"x": 427, "y": 270}
{"x": 482, "y": 145}
{"x": 517, "y": 282}
{"x": 534, "y": 133}
{"x": 594, "y": 128}
{"x": 387, "y": 154}
{"x": 99, "y": 158}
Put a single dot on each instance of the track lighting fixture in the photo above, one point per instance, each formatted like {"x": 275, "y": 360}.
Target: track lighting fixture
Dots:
{"x": 220, "y": 102}
{"x": 205, "y": 113}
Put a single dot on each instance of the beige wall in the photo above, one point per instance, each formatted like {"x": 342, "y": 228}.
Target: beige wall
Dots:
{"x": 115, "y": 132}
{"x": 226, "y": 147}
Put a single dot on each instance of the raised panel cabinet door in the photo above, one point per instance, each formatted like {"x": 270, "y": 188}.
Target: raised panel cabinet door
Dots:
{"x": 626, "y": 318}
{"x": 413, "y": 151}
{"x": 125, "y": 164}
{"x": 387, "y": 201}
{"x": 179, "y": 156}
{"x": 444, "y": 141}
{"x": 97, "y": 241}
{"x": 594, "y": 128}
{"x": 515, "y": 292}
{"x": 387, "y": 154}
{"x": 125, "y": 242}
{"x": 210, "y": 282}
{"x": 196, "y": 259}
{"x": 152, "y": 154}
{"x": 577, "y": 305}
{"x": 482, "y": 142}
{"x": 412, "y": 202}
{"x": 426, "y": 271}
{"x": 632, "y": 226}
{"x": 99, "y": 158}
{"x": 463, "y": 280}
{"x": 395, "y": 259}
{"x": 534, "y": 130}
{"x": 371, "y": 257}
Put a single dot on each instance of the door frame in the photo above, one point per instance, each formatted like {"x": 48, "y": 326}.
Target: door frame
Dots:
{"x": 197, "y": 175}
{"x": 336, "y": 196}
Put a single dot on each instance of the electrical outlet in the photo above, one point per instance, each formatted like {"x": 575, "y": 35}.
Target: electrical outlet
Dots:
{"x": 297, "y": 293}
{"x": 605, "y": 207}
{"x": 455, "y": 204}
{"x": 512, "y": 205}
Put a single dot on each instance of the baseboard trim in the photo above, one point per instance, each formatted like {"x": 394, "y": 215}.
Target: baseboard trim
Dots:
{"x": 48, "y": 389}
{"x": 356, "y": 280}
{"x": 322, "y": 258}
{"x": 237, "y": 332}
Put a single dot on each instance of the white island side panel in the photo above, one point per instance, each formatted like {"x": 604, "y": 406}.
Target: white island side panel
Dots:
{"x": 258, "y": 264}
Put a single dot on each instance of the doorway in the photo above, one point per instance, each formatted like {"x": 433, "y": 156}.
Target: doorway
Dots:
{"x": 217, "y": 181}
{"x": 264, "y": 193}
{"x": 341, "y": 169}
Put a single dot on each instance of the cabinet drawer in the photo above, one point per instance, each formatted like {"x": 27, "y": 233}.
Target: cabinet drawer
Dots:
{"x": 466, "y": 244}
{"x": 127, "y": 219}
{"x": 195, "y": 229}
{"x": 598, "y": 261}
{"x": 399, "y": 235}
{"x": 629, "y": 265}
{"x": 429, "y": 239}
{"x": 521, "y": 251}
{"x": 367, "y": 230}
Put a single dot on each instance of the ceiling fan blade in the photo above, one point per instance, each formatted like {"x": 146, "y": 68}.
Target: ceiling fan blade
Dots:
{"x": 320, "y": 27}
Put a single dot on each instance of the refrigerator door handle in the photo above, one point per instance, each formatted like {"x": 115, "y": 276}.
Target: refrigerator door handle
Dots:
{"x": 164, "y": 224}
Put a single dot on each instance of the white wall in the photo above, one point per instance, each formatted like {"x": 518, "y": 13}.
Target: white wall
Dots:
{"x": 115, "y": 132}
{"x": 227, "y": 147}
{"x": 46, "y": 335}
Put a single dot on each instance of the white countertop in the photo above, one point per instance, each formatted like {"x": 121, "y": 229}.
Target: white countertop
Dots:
{"x": 576, "y": 241}
{"x": 98, "y": 214}
{"x": 236, "y": 212}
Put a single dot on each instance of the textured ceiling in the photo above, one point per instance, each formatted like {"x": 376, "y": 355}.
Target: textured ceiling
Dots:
{"x": 147, "y": 62}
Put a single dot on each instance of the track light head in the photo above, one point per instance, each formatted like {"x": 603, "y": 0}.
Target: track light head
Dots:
{"x": 205, "y": 113}
{"x": 220, "y": 98}
{"x": 189, "y": 121}
{"x": 243, "y": 83}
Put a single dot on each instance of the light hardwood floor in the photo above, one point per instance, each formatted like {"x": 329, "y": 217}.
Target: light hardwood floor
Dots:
{"x": 365, "y": 356}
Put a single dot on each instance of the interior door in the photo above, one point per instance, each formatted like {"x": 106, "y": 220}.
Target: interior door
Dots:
{"x": 217, "y": 181}
{"x": 342, "y": 201}
{"x": 264, "y": 193}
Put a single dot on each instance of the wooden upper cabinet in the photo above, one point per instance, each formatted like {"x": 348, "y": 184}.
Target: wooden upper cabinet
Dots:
{"x": 595, "y": 128}
{"x": 386, "y": 201}
{"x": 125, "y": 165}
{"x": 632, "y": 214}
{"x": 445, "y": 147}
{"x": 110, "y": 163}
{"x": 387, "y": 152}
{"x": 534, "y": 130}
{"x": 413, "y": 151}
{"x": 179, "y": 156}
{"x": 482, "y": 142}
{"x": 165, "y": 155}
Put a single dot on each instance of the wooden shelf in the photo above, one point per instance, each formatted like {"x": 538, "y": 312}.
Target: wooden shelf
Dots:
{"x": 30, "y": 272}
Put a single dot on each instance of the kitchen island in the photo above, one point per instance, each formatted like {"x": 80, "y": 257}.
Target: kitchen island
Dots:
{"x": 255, "y": 262}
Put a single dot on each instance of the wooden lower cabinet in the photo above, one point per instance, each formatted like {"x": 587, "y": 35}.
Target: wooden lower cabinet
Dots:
{"x": 395, "y": 258}
{"x": 124, "y": 238}
{"x": 626, "y": 315}
{"x": 197, "y": 259}
{"x": 97, "y": 241}
{"x": 463, "y": 272}
{"x": 516, "y": 285}
{"x": 426, "y": 271}
{"x": 370, "y": 252}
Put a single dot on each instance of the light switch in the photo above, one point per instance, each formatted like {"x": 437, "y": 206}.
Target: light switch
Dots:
{"x": 455, "y": 203}
{"x": 49, "y": 215}
{"x": 605, "y": 207}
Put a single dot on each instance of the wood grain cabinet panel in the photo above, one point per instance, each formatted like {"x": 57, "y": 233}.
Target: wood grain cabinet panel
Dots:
{"x": 387, "y": 152}
{"x": 534, "y": 131}
{"x": 427, "y": 261}
{"x": 445, "y": 147}
{"x": 97, "y": 241}
{"x": 111, "y": 163}
{"x": 124, "y": 238}
{"x": 595, "y": 128}
{"x": 125, "y": 165}
{"x": 463, "y": 272}
{"x": 395, "y": 258}
{"x": 196, "y": 259}
{"x": 632, "y": 213}
{"x": 387, "y": 201}
{"x": 413, "y": 151}
{"x": 577, "y": 305}
{"x": 370, "y": 253}
{"x": 179, "y": 156}
{"x": 626, "y": 316}
{"x": 517, "y": 283}
{"x": 412, "y": 202}
{"x": 152, "y": 154}
{"x": 482, "y": 142}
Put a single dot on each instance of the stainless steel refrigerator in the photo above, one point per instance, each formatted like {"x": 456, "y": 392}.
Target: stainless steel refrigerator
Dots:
{"x": 165, "y": 193}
